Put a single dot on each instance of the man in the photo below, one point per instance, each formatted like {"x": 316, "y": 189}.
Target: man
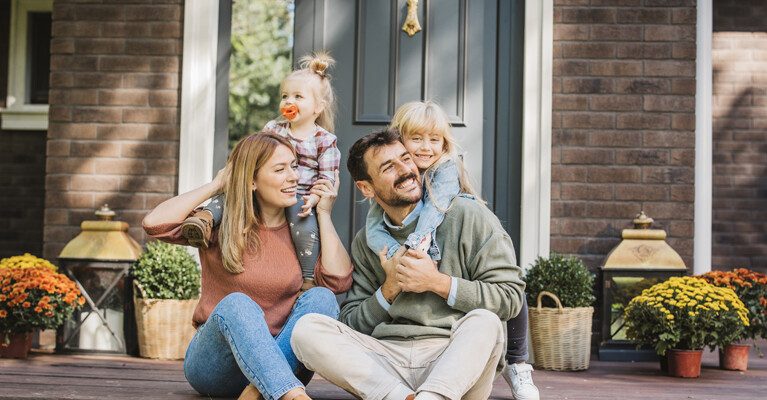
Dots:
{"x": 409, "y": 329}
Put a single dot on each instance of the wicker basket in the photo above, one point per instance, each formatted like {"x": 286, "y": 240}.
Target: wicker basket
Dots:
{"x": 561, "y": 336}
{"x": 164, "y": 326}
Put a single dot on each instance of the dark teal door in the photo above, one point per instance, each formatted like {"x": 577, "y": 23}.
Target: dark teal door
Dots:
{"x": 452, "y": 60}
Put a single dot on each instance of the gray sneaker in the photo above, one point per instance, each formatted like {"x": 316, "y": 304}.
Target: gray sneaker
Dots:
{"x": 520, "y": 380}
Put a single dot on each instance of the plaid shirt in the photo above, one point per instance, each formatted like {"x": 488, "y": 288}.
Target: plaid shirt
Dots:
{"x": 318, "y": 155}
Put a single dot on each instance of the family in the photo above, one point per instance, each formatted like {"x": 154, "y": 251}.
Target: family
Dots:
{"x": 434, "y": 305}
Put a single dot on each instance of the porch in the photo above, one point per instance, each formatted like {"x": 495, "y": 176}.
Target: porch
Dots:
{"x": 54, "y": 376}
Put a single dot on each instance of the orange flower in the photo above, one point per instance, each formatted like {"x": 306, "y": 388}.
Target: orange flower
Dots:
{"x": 3, "y": 313}
{"x": 38, "y": 309}
{"x": 49, "y": 314}
{"x": 3, "y": 297}
{"x": 763, "y": 301}
{"x": 81, "y": 301}
{"x": 26, "y": 304}
{"x": 46, "y": 299}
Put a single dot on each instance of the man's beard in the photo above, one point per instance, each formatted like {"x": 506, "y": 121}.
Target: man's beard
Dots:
{"x": 394, "y": 199}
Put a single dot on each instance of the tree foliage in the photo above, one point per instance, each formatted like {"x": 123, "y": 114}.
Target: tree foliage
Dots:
{"x": 262, "y": 45}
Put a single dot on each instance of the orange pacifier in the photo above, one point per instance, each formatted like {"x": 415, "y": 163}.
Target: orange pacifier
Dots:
{"x": 289, "y": 112}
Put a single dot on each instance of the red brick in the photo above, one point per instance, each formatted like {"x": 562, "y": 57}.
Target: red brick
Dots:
{"x": 683, "y": 158}
{"x": 98, "y": 80}
{"x": 157, "y": 184}
{"x": 670, "y": 68}
{"x": 570, "y": 102}
{"x": 683, "y": 122}
{"x": 61, "y": 80}
{"x": 568, "y": 174}
{"x": 589, "y": 120}
{"x": 68, "y": 200}
{"x": 669, "y": 103}
{"x": 151, "y": 81}
{"x": 644, "y": 51}
{"x": 122, "y": 132}
{"x": 120, "y": 167}
{"x": 568, "y": 209}
{"x": 163, "y": 167}
{"x": 149, "y": 115}
{"x": 642, "y": 157}
{"x": 73, "y": 63}
{"x": 684, "y": 16}
{"x": 125, "y": 64}
{"x": 615, "y": 68}
{"x": 668, "y": 175}
{"x": 587, "y": 156}
{"x": 71, "y": 131}
{"x": 59, "y": 113}
{"x": 613, "y": 174}
{"x": 57, "y": 148}
{"x": 154, "y": 200}
{"x": 120, "y": 201}
{"x": 52, "y": 250}
{"x": 92, "y": 183}
{"x": 55, "y": 217}
{"x": 60, "y": 233}
{"x": 62, "y": 12}
{"x": 99, "y": 13}
{"x": 615, "y": 139}
{"x": 570, "y": 32}
{"x": 643, "y": 85}
{"x": 591, "y": 15}
{"x": 95, "y": 149}
{"x": 669, "y": 210}
{"x": 673, "y": 139}
{"x": 670, "y": 3}
{"x": 56, "y": 182}
{"x": 683, "y": 86}
{"x": 570, "y": 137}
{"x": 62, "y": 46}
{"x": 165, "y": 64}
{"x": 643, "y": 16}
{"x": 151, "y": 46}
{"x": 100, "y": 46}
{"x": 684, "y": 51}
{"x": 616, "y": 210}
{"x": 588, "y": 50}
{"x": 165, "y": 98}
{"x": 616, "y": 33}
{"x": 570, "y": 67}
{"x": 620, "y": 3}
{"x": 96, "y": 114}
{"x": 73, "y": 97}
{"x": 615, "y": 103}
{"x": 55, "y": 165}
{"x": 643, "y": 121}
{"x": 669, "y": 33}
{"x": 568, "y": 245}
{"x": 587, "y": 85}
{"x": 77, "y": 29}
{"x": 163, "y": 132}
{"x": 146, "y": 150}
{"x": 586, "y": 227}
{"x": 166, "y": 29}
{"x": 126, "y": 29}
{"x": 681, "y": 229}
{"x": 153, "y": 13}
{"x": 123, "y": 97}
{"x": 642, "y": 192}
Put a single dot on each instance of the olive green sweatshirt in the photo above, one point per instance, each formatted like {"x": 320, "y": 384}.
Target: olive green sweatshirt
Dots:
{"x": 475, "y": 249}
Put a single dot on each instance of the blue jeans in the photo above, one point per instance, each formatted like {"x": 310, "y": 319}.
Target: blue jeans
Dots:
{"x": 234, "y": 347}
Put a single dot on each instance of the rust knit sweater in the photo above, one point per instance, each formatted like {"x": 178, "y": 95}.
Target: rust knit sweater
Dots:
{"x": 272, "y": 278}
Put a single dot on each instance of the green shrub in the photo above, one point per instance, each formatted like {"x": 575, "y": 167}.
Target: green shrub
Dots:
{"x": 567, "y": 277}
{"x": 167, "y": 272}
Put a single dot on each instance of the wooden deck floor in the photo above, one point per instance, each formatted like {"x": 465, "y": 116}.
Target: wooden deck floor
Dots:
{"x": 52, "y": 376}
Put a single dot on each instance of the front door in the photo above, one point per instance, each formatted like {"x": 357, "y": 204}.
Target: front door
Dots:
{"x": 452, "y": 61}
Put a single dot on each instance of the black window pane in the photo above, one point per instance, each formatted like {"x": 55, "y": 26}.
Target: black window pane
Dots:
{"x": 39, "y": 57}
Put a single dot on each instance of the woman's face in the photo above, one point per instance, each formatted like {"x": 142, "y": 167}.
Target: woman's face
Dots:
{"x": 276, "y": 181}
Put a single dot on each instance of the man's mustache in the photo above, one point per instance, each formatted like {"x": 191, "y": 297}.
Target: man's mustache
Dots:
{"x": 404, "y": 178}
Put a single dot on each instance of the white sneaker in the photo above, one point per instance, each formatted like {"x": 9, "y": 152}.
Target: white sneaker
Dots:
{"x": 520, "y": 380}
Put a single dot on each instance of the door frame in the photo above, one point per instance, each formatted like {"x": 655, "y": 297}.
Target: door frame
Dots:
{"x": 198, "y": 109}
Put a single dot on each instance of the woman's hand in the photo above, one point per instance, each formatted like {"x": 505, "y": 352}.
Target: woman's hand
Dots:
{"x": 221, "y": 179}
{"x": 327, "y": 194}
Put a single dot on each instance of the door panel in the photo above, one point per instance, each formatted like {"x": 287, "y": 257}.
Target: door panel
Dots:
{"x": 379, "y": 67}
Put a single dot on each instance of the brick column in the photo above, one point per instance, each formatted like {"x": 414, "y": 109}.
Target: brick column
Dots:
{"x": 740, "y": 135}
{"x": 114, "y": 112}
{"x": 623, "y": 122}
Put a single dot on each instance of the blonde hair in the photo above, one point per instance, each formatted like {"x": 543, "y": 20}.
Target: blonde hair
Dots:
{"x": 313, "y": 68}
{"x": 242, "y": 215}
{"x": 421, "y": 117}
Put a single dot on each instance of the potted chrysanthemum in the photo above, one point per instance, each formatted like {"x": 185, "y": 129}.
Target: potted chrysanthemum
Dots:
{"x": 683, "y": 315}
{"x": 33, "y": 295}
{"x": 751, "y": 288}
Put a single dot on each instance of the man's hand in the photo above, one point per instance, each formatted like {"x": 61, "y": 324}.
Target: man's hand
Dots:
{"x": 390, "y": 289}
{"x": 416, "y": 273}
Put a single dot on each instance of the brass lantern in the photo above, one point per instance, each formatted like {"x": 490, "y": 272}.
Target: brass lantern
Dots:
{"x": 639, "y": 261}
{"x": 98, "y": 260}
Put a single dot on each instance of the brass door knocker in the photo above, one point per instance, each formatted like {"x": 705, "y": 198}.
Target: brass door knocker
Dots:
{"x": 411, "y": 22}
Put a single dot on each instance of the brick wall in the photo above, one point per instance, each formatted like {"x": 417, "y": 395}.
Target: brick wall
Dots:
{"x": 114, "y": 115}
{"x": 623, "y": 122}
{"x": 740, "y": 135}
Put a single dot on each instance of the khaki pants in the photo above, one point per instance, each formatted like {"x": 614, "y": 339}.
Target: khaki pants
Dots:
{"x": 460, "y": 367}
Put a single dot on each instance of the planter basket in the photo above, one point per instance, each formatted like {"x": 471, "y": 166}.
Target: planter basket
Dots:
{"x": 561, "y": 336}
{"x": 164, "y": 326}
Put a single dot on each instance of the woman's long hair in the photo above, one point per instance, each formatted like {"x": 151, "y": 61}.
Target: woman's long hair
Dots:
{"x": 242, "y": 216}
{"x": 422, "y": 117}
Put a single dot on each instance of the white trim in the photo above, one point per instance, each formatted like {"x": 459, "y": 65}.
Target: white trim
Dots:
{"x": 18, "y": 115}
{"x": 536, "y": 132}
{"x": 703, "y": 139}
{"x": 198, "y": 94}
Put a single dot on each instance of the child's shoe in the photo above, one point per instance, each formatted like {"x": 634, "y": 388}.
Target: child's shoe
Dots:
{"x": 308, "y": 284}
{"x": 196, "y": 229}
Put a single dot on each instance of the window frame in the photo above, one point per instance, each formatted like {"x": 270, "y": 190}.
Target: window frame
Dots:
{"x": 18, "y": 114}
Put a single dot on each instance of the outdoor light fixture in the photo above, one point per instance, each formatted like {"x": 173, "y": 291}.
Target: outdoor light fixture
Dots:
{"x": 98, "y": 261}
{"x": 640, "y": 260}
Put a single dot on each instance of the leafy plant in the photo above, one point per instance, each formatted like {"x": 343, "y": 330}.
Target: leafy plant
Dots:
{"x": 167, "y": 271}
{"x": 685, "y": 313}
{"x": 35, "y": 297}
{"x": 567, "y": 277}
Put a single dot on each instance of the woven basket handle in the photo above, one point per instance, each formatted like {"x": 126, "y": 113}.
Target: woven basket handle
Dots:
{"x": 143, "y": 293}
{"x": 552, "y": 295}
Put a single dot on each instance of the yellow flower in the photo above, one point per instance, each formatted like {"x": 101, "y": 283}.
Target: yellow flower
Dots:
{"x": 670, "y": 316}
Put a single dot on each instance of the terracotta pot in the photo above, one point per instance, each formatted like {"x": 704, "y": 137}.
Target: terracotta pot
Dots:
{"x": 19, "y": 346}
{"x": 684, "y": 363}
{"x": 734, "y": 357}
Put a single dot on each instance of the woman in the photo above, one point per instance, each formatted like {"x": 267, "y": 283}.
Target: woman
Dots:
{"x": 251, "y": 277}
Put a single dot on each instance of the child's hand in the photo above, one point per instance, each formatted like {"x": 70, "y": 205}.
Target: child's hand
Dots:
{"x": 222, "y": 177}
{"x": 310, "y": 202}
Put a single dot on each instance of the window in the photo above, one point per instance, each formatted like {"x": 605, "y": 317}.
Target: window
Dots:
{"x": 28, "y": 66}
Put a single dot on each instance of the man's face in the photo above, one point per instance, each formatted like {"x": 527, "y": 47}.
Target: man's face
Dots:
{"x": 394, "y": 178}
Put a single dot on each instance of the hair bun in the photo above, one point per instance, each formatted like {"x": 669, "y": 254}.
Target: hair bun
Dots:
{"x": 317, "y": 63}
